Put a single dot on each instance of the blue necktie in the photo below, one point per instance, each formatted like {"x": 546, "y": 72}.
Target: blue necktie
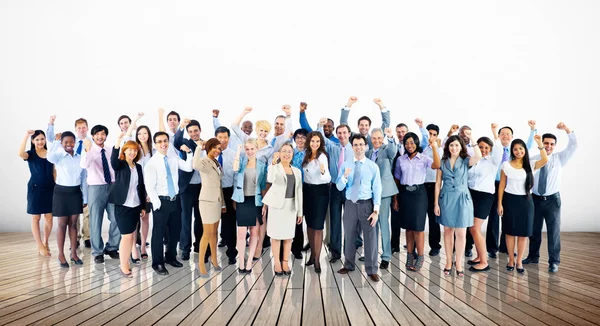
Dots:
{"x": 374, "y": 155}
{"x": 505, "y": 155}
{"x": 543, "y": 180}
{"x": 355, "y": 183}
{"x": 105, "y": 168}
{"x": 79, "y": 147}
{"x": 273, "y": 142}
{"x": 220, "y": 160}
{"x": 170, "y": 184}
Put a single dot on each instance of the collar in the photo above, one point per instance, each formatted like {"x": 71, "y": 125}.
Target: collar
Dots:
{"x": 361, "y": 160}
{"x": 418, "y": 156}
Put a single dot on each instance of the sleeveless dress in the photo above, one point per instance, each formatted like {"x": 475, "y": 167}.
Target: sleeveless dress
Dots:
{"x": 40, "y": 188}
{"x": 456, "y": 205}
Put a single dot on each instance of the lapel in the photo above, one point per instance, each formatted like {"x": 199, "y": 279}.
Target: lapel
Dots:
{"x": 215, "y": 166}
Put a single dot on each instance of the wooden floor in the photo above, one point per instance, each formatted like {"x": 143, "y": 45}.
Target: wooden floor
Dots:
{"x": 35, "y": 290}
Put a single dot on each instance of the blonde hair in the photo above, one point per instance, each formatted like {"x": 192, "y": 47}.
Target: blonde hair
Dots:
{"x": 251, "y": 141}
{"x": 263, "y": 124}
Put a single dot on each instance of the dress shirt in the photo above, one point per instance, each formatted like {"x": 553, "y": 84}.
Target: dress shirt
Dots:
{"x": 431, "y": 174}
{"x": 133, "y": 197}
{"x": 155, "y": 175}
{"x": 68, "y": 168}
{"x": 92, "y": 162}
{"x": 515, "y": 178}
{"x": 412, "y": 171}
{"x": 228, "y": 174}
{"x": 297, "y": 160}
{"x": 234, "y": 140}
{"x": 369, "y": 184}
{"x": 482, "y": 176}
{"x": 304, "y": 124}
{"x": 312, "y": 171}
{"x": 556, "y": 161}
{"x": 171, "y": 150}
{"x": 334, "y": 151}
{"x": 529, "y": 145}
{"x": 146, "y": 157}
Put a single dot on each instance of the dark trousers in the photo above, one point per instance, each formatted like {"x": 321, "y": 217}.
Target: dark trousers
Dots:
{"x": 493, "y": 228}
{"x": 229, "y": 224}
{"x": 298, "y": 242}
{"x": 189, "y": 204}
{"x": 336, "y": 203}
{"x": 548, "y": 210}
{"x": 396, "y": 230}
{"x": 169, "y": 215}
{"x": 434, "y": 226}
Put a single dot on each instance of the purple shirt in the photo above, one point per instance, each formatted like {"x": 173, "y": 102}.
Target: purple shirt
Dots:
{"x": 412, "y": 171}
{"x": 92, "y": 162}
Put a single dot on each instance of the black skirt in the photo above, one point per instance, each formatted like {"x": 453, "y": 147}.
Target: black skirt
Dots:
{"x": 518, "y": 215}
{"x": 127, "y": 218}
{"x": 314, "y": 204}
{"x": 482, "y": 203}
{"x": 413, "y": 208}
{"x": 247, "y": 213}
{"x": 39, "y": 198}
{"x": 67, "y": 201}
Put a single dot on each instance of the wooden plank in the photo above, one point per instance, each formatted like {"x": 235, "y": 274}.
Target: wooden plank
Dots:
{"x": 290, "y": 314}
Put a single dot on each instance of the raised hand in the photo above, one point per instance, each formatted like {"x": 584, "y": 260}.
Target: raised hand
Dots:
{"x": 161, "y": 111}
{"x": 388, "y": 133}
{"x": 57, "y": 136}
{"x": 121, "y": 135}
{"x": 275, "y": 158}
{"x": 184, "y": 148}
{"x": 140, "y": 115}
{"x": 351, "y": 101}
{"x": 52, "y": 119}
{"x": 347, "y": 172}
{"x": 185, "y": 122}
{"x": 290, "y": 135}
{"x": 287, "y": 109}
{"x": 322, "y": 122}
{"x": 87, "y": 143}
{"x": 247, "y": 110}
{"x": 494, "y": 127}
{"x": 561, "y": 126}
{"x": 538, "y": 140}
{"x": 303, "y": 106}
{"x": 200, "y": 144}
{"x": 419, "y": 122}
{"x": 239, "y": 149}
{"x": 433, "y": 142}
{"x": 215, "y": 113}
{"x": 29, "y": 132}
{"x": 531, "y": 124}
{"x": 379, "y": 103}
{"x": 454, "y": 128}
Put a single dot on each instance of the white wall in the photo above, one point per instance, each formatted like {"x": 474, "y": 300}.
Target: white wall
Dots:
{"x": 473, "y": 62}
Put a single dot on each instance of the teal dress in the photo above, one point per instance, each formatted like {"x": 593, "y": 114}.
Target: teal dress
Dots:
{"x": 456, "y": 204}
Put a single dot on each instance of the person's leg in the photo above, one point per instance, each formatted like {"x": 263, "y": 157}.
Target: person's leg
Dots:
{"x": 335, "y": 222}
{"x": 134, "y": 251}
{"x": 85, "y": 222}
{"x": 287, "y": 246}
{"x": 553, "y": 230}
{"x": 124, "y": 251}
{"x": 195, "y": 189}
{"x": 262, "y": 233}
{"x": 241, "y": 246}
{"x": 145, "y": 226}
{"x": 275, "y": 248}
{"x": 493, "y": 227}
{"x": 317, "y": 245}
{"x": 510, "y": 246}
{"x": 213, "y": 244}
{"x": 369, "y": 240}
{"x": 298, "y": 242}
{"x": 228, "y": 228}
{"x": 114, "y": 236}
{"x": 60, "y": 237}
{"x": 311, "y": 238}
{"x": 35, "y": 230}
{"x": 254, "y": 236}
{"x": 384, "y": 225}
{"x": 174, "y": 226}
{"x": 159, "y": 224}
{"x": 96, "y": 210}
{"x": 396, "y": 231}
{"x": 521, "y": 245}
{"x": 460, "y": 247}
{"x": 535, "y": 241}
{"x": 350, "y": 230}
{"x": 185, "y": 236}
{"x": 479, "y": 241}
{"x": 420, "y": 242}
{"x": 209, "y": 231}
{"x": 72, "y": 224}
{"x": 434, "y": 227}
{"x": 48, "y": 229}
{"x": 448, "y": 246}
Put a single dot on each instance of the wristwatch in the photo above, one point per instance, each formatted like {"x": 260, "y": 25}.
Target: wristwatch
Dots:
{"x": 376, "y": 212}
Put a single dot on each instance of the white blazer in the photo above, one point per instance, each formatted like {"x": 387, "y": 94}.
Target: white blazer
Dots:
{"x": 275, "y": 196}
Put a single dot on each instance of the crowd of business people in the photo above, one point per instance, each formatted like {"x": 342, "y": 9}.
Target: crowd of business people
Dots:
{"x": 259, "y": 191}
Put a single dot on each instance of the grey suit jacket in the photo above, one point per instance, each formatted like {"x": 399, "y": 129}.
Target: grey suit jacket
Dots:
{"x": 385, "y": 123}
{"x": 385, "y": 157}
{"x": 275, "y": 196}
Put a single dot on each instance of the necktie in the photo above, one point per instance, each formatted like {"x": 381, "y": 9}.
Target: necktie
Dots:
{"x": 400, "y": 149}
{"x": 79, "y": 147}
{"x": 273, "y": 142}
{"x": 505, "y": 155}
{"x": 105, "y": 167}
{"x": 543, "y": 180}
{"x": 220, "y": 160}
{"x": 374, "y": 155}
{"x": 341, "y": 159}
{"x": 355, "y": 183}
{"x": 170, "y": 184}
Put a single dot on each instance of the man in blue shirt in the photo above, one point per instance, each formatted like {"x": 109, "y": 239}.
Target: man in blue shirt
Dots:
{"x": 362, "y": 183}
{"x": 327, "y": 127}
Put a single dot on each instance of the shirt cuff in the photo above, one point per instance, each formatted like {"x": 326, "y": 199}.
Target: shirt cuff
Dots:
{"x": 376, "y": 208}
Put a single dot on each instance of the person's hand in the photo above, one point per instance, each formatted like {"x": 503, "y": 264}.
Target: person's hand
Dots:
{"x": 148, "y": 199}
{"x": 500, "y": 210}
{"x": 247, "y": 110}
{"x": 120, "y": 136}
{"x": 438, "y": 142}
{"x": 264, "y": 211}
{"x": 469, "y": 134}
{"x": 395, "y": 205}
{"x": 87, "y": 144}
{"x": 379, "y": 103}
{"x": 57, "y": 136}
{"x": 419, "y": 122}
{"x": 52, "y": 119}
{"x": 161, "y": 112}
{"x": 388, "y": 132}
{"x": 436, "y": 210}
{"x": 239, "y": 149}
{"x": 373, "y": 218}
{"x": 143, "y": 212}
{"x": 215, "y": 113}
{"x": 433, "y": 142}
{"x": 351, "y": 101}
{"x": 299, "y": 220}
{"x": 322, "y": 168}
{"x": 287, "y": 109}
{"x": 200, "y": 144}
{"x": 494, "y": 128}
{"x": 538, "y": 140}
{"x": 347, "y": 172}
{"x": 531, "y": 124}
{"x": 184, "y": 148}
{"x": 140, "y": 115}
{"x": 29, "y": 133}
{"x": 275, "y": 158}
{"x": 223, "y": 210}
{"x": 303, "y": 106}
{"x": 185, "y": 122}
{"x": 234, "y": 204}
{"x": 322, "y": 122}
{"x": 562, "y": 126}
{"x": 453, "y": 129}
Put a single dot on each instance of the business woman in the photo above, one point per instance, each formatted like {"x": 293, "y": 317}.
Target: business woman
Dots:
{"x": 142, "y": 137}
{"x": 128, "y": 194}
{"x": 39, "y": 188}
{"x": 212, "y": 203}
{"x": 284, "y": 204}
{"x": 250, "y": 182}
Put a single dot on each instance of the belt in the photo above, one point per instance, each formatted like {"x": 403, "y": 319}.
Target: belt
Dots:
{"x": 168, "y": 198}
{"x": 411, "y": 188}
{"x": 544, "y": 198}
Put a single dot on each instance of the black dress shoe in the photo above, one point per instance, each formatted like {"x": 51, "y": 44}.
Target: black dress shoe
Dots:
{"x": 255, "y": 258}
{"x": 394, "y": 250}
{"x": 63, "y": 265}
{"x": 531, "y": 260}
{"x": 221, "y": 243}
{"x": 88, "y": 244}
{"x": 333, "y": 260}
{"x": 492, "y": 255}
{"x": 317, "y": 270}
{"x": 196, "y": 250}
{"x": 361, "y": 258}
{"x": 112, "y": 254}
{"x": 173, "y": 263}
{"x": 232, "y": 261}
{"x": 77, "y": 261}
{"x": 297, "y": 255}
{"x": 242, "y": 271}
{"x": 307, "y": 247}
{"x": 384, "y": 264}
{"x": 468, "y": 253}
{"x": 553, "y": 268}
{"x": 434, "y": 252}
{"x": 160, "y": 270}
{"x": 99, "y": 259}
{"x": 185, "y": 256}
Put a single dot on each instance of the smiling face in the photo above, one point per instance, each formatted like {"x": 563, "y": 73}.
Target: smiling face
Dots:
{"x": 343, "y": 134}
{"x": 131, "y": 153}
{"x": 300, "y": 141}
{"x": 359, "y": 146}
{"x": 247, "y": 127}
{"x": 505, "y": 136}
{"x": 377, "y": 139}
{"x": 214, "y": 152}
{"x": 124, "y": 124}
{"x": 262, "y": 133}
{"x": 81, "y": 129}
{"x": 433, "y": 134}
{"x": 194, "y": 133}
{"x": 68, "y": 143}
{"x": 142, "y": 135}
{"x": 223, "y": 138}
{"x": 99, "y": 138}
{"x": 518, "y": 151}
{"x": 484, "y": 148}
{"x": 363, "y": 127}
{"x": 401, "y": 132}
{"x": 286, "y": 153}
{"x": 410, "y": 147}
{"x": 454, "y": 148}
{"x": 161, "y": 142}
{"x": 250, "y": 150}
{"x": 464, "y": 133}
{"x": 172, "y": 121}
{"x": 549, "y": 144}
{"x": 279, "y": 126}
{"x": 328, "y": 128}
{"x": 39, "y": 141}
{"x": 315, "y": 143}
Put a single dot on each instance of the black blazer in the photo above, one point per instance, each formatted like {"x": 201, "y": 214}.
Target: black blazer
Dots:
{"x": 184, "y": 177}
{"x": 118, "y": 191}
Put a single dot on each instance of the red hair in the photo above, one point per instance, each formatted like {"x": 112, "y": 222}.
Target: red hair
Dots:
{"x": 131, "y": 144}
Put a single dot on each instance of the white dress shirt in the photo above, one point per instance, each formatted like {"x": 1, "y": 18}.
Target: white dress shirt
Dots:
{"x": 312, "y": 171}
{"x": 515, "y": 178}
{"x": 155, "y": 175}
{"x": 482, "y": 176}
{"x": 431, "y": 174}
{"x": 68, "y": 168}
{"x": 556, "y": 161}
{"x": 133, "y": 197}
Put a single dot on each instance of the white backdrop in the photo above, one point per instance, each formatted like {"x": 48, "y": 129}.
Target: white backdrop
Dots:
{"x": 471, "y": 62}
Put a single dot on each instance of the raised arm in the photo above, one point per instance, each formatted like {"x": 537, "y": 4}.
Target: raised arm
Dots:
{"x": 390, "y": 146}
{"x": 495, "y": 131}
{"x": 436, "y": 156}
{"x": 346, "y": 110}
{"x": 50, "y": 129}
{"x": 133, "y": 126}
{"x": 178, "y": 137}
{"x": 55, "y": 152}
{"x": 216, "y": 122}
{"x": 424, "y": 133}
{"x": 385, "y": 113}
{"x": 198, "y": 163}
{"x": 22, "y": 153}
{"x": 303, "y": 120}
{"x": 236, "y": 160}
{"x": 543, "y": 156}
{"x": 474, "y": 159}
{"x": 235, "y": 125}
{"x": 453, "y": 129}
{"x": 288, "y": 132}
{"x": 566, "y": 154}
{"x": 161, "y": 120}
{"x": 532, "y": 133}
{"x": 185, "y": 165}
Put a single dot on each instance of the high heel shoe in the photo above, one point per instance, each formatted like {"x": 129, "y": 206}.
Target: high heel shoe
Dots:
{"x": 77, "y": 261}
{"x": 310, "y": 262}
{"x": 317, "y": 269}
{"x": 510, "y": 268}
{"x": 63, "y": 265}
{"x": 521, "y": 270}
{"x": 42, "y": 251}
{"x": 241, "y": 271}
{"x": 135, "y": 261}
{"x": 126, "y": 275}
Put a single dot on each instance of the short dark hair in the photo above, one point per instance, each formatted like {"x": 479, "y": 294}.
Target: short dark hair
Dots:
{"x": 364, "y": 117}
{"x": 222, "y": 129}
{"x": 357, "y": 136}
{"x": 301, "y": 132}
{"x": 415, "y": 139}
{"x": 506, "y": 127}
{"x": 124, "y": 116}
{"x": 402, "y": 124}
{"x": 431, "y": 126}
{"x": 331, "y": 120}
{"x": 98, "y": 128}
{"x": 343, "y": 126}
{"x": 193, "y": 123}
{"x": 549, "y": 135}
{"x": 486, "y": 140}
{"x": 175, "y": 114}
{"x": 159, "y": 133}
{"x": 67, "y": 134}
